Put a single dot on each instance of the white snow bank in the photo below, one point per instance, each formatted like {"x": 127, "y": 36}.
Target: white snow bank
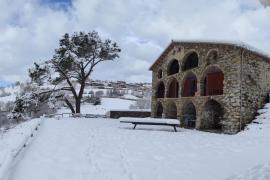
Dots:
{"x": 129, "y": 96}
{"x": 107, "y": 104}
{"x": 149, "y": 120}
{"x": 11, "y": 143}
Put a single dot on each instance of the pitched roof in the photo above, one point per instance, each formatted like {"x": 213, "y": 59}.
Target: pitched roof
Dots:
{"x": 230, "y": 43}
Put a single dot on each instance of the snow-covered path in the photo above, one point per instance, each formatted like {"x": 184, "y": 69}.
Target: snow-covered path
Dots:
{"x": 102, "y": 149}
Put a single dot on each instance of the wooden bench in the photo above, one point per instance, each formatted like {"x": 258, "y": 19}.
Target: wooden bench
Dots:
{"x": 173, "y": 123}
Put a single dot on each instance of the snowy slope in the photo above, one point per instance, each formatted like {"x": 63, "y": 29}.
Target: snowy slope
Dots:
{"x": 261, "y": 131}
{"x": 106, "y": 105}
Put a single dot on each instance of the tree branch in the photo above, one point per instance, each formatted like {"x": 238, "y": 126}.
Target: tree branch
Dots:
{"x": 67, "y": 79}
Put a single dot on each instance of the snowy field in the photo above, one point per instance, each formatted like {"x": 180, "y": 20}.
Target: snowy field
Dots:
{"x": 102, "y": 149}
{"x": 107, "y": 104}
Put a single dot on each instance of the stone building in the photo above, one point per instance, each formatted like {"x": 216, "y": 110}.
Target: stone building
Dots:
{"x": 212, "y": 86}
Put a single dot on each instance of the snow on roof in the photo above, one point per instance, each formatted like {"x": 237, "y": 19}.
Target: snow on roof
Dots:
{"x": 239, "y": 44}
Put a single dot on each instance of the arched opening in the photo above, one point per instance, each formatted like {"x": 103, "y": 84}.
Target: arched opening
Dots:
{"x": 160, "y": 90}
{"x": 212, "y": 82}
{"x": 213, "y": 115}
{"x": 160, "y": 73}
{"x": 173, "y": 89}
{"x": 189, "y": 86}
{"x": 159, "y": 110}
{"x": 191, "y": 61}
{"x": 173, "y": 67}
{"x": 189, "y": 115}
{"x": 212, "y": 57}
{"x": 171, "y": 111}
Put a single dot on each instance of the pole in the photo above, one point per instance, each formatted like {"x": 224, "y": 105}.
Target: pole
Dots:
{"x": 241, "y": 77}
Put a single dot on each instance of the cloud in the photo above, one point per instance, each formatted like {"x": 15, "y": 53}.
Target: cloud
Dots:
{"x": 30, "y": 29}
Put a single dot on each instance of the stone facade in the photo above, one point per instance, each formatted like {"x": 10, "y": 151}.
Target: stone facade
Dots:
{"x": 245, "y": 79}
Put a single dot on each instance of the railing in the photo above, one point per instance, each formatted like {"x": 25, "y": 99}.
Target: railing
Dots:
{"x": 75, "y": 115}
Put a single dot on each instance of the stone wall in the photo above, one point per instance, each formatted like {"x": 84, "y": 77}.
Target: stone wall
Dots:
{"x": 255, "y": 84}
{"x": 229, "y": 61}
{"x": 140, "y": 114}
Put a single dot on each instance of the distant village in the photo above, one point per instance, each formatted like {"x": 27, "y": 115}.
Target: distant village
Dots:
{"x": 119, "y": 88}
{"x": 95, "y": 89}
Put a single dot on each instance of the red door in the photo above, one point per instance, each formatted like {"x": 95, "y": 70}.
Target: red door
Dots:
{"x": 190, "y": 87}
{"x": 214, "y": 83}
{"x": 173, "y": 90}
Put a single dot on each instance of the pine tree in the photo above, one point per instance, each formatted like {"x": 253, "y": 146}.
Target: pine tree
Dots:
{"x": 73, "y": 63}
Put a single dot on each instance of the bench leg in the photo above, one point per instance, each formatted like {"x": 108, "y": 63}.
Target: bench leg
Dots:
{"x": 134, "y": 126}
{"x": 175, "y": 130}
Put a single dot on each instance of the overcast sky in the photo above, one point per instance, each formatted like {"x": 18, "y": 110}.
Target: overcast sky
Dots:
{"x": 30, "y": 30}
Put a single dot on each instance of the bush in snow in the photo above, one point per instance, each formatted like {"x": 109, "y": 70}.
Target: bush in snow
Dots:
{"x": 99, "y": 93}
{"x": 91, "y": 92}
{"x": 15, "y": 115}
{"x": 115, "y": 92}
{"x": 97, "y": 101}
{"x": 33, "y": 102}
{"x": 143, "y": 103}
{"x": 93, "y": 100}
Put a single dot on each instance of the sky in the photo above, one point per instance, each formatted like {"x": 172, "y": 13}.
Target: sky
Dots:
{"x": 30, "y": 30}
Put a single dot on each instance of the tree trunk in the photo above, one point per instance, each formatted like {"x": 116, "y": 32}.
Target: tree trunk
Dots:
{"x": 70, "y": 105}
{"x": 80, "y": 95}
{"x": 78, "y": 105}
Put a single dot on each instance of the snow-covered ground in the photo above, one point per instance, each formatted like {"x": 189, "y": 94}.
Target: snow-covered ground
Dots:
{"x": 260, "y": 172}
{"x": 106, "y": 105}
{"x": 129, "y": 96}
{"x": 11, "y": 141}
{"x": 10, "y": 98}
{"x": 101, "y": 149}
